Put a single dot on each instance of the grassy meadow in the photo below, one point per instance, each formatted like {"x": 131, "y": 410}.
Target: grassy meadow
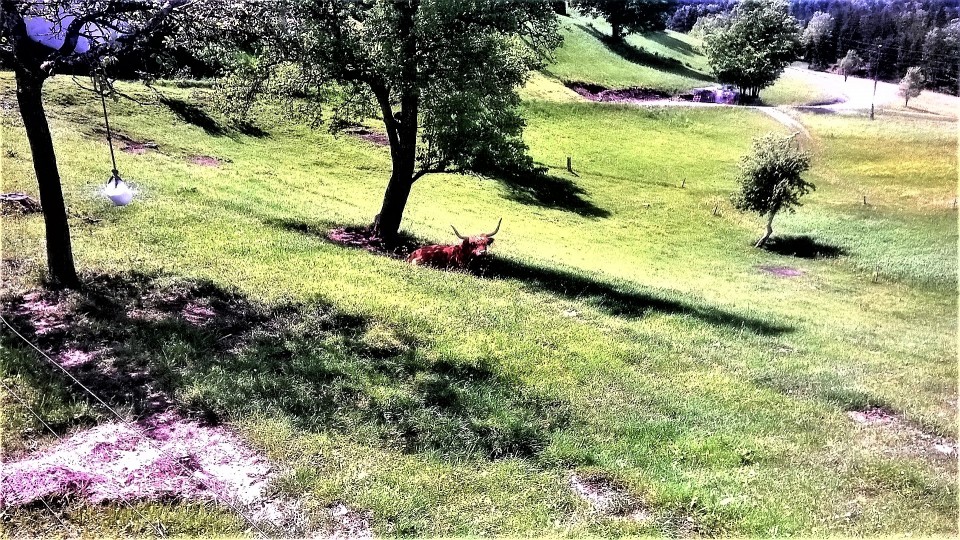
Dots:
{"x": 625, "y": 326}
{"x": 668, "y": 61}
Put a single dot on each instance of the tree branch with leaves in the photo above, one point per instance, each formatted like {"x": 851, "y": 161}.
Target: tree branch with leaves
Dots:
{"x": 441, "y": 75}
{"x": 41, "y": 39}
{"x": 771, "y": 179}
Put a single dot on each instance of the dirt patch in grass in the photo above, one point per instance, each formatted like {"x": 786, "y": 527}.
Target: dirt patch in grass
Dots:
{"x": 18, "y": 204}
{"x": 607, "y": 496}
{"x": 205, "y": 161}
{"x": 46, "y": 311}
{"x": 345, "y": 522}
{"x": 160, "y": 458}
{"x": 128, "y": 144}
{"x": 198, "y": 314}
{"x": 139, "y": 148}
{"x": 595, "y": 92}
{"x": 375, "y": 137}
{"x": 366, "y": 239}
{"x": 781, "y": 271}
{"x": 890, "y": 430}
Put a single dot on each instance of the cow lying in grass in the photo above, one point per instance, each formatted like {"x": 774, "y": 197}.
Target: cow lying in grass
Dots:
{"x": 456, "y": 256}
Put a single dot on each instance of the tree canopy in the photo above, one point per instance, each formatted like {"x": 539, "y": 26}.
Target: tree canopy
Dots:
{"x": 941, "y": 57}
{"x": 752, "y": 47}
{"x": 442, "y": 75}
{"x": 911, "y": 85}
{"x": 41, "y": 39}
{"x": 628, "y": 16}
{"x": 816, "y": 40}
{"x": 771, "y": 178}
{"x": 850, "y": 64}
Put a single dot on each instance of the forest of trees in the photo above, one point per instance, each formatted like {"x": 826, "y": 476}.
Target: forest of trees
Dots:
{"x": 890, "y": 35}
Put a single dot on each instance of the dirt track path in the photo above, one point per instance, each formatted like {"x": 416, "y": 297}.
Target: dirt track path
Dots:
{"x": 855, "y": 97}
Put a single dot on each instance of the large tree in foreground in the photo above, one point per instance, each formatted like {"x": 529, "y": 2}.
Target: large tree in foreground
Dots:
{"x": 441, "y": 75}
{"x": 39, "y": 39}
{"x": 752, "y": 47}
{"x": 628, "y": 16}
{"x": 770, "y": 179}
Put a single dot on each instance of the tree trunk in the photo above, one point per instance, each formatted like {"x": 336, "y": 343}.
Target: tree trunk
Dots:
{"x": 387, "y": 223}
{"x": 402, "y": 128}
{"x": 762, "y": 241}
{"x": 59, "y": 251}
{"x": 617, "y": 32}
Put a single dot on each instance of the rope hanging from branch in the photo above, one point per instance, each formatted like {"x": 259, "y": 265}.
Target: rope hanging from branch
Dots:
{"x": 119, "y": 192}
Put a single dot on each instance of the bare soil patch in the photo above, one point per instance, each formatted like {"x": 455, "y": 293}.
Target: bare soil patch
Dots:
{"x": 18, "y": 204}
{"x": 206, "y": 161}
{"x": 139, "y": 148}
{"x": 607, "y": 496}
{"x": 781, "y": 271}
{"x": 890, "y": 430}
{"x": 368, "y": 135}
{"x": 129, "y": 144}
{"x": 364, "y": 238}
{"x": 345, "y": 522}
{"x": 162, "y": 457}
{"x": 45, "y": 310}
{"x": 636, "y": 94}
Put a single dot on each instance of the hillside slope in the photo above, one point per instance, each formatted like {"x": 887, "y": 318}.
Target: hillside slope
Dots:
{"x": 625, "y": 334}
{"x": 663, "y": 60}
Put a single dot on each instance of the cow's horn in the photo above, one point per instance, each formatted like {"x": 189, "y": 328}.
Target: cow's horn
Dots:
{"x": 497, "y": 229}
{"x": 456, "y": 232}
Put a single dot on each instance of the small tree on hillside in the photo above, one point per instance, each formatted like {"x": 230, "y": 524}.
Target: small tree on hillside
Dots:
{"x": 752, "y": 47}
{"x": 851, "y": 63}
{"x": 39, "y": 39}
{"x": 442, "y": 76}
{"x": 628, "y": 16}
{"x": 770, "y": 179}
{"x": 911, "y": 84}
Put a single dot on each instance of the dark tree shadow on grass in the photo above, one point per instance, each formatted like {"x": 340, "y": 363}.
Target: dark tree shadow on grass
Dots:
{"x": 618, "y": 301}
{"x": 352, "y": 236}
{"x": 639, "y": 56}
{"x": 197, "y": 116}
{"x": 553, "y": 192}
{"x": 149, "y": 344}
{"x": 804, "y": 247}
{"x": 194, "y": 115}
{"x": 670, "y": 42}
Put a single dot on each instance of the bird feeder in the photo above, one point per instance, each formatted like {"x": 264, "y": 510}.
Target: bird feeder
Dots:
{"x": 119, "y": 193}
{"x": 117, "y": 190}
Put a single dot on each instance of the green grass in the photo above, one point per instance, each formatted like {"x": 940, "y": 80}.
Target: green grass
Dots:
{"x": 622, "y": 328}
{"x": 667, "y": 60}
{"x": 797, "y": 87}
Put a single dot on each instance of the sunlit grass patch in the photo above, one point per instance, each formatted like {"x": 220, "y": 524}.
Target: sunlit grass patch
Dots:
{"x": 667, "y": 60}
{"x": 798, "y": 87}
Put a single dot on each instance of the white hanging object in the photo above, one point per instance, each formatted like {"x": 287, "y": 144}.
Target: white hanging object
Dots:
{"x": 118, "y": 191}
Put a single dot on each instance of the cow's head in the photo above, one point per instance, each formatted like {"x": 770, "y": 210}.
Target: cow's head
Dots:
{"x": 477, "y": 246}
